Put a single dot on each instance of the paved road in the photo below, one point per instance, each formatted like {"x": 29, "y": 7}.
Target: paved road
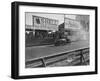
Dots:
{"x": 41, "y": 51}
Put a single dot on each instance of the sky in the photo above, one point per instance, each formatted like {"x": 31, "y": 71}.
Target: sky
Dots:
{"x": 59, "y": 17}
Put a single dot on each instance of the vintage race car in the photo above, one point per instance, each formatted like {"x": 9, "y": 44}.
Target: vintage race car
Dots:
{"x": 61, "y": 42}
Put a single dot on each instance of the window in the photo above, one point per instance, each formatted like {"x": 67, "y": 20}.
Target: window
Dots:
{"x": 37, "y": 20}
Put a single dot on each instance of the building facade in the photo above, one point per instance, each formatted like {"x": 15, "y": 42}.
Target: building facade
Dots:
{"x": 84, "y": 20}
{"x": 73, "y": 29}
{"x": 41, "y": 29}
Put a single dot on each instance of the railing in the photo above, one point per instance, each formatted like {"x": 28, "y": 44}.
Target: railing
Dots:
{"x": 71, "y": 58}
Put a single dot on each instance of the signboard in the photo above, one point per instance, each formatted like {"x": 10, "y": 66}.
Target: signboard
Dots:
{"x": 42, "y": 23}
{"x": 72, "y": 24}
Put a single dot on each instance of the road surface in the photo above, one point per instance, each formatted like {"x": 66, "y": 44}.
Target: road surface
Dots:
{"x": 41, "y": 51}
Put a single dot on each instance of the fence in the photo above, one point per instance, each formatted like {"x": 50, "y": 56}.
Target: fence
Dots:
{"x": 71, "y": 58}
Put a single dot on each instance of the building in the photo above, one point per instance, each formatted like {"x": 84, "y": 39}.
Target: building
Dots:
{"x": 73, "y": 29}
{"x": 42, "y": 28}
{"x": 84, "y": 20}
{"x": 72, "y": 24}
